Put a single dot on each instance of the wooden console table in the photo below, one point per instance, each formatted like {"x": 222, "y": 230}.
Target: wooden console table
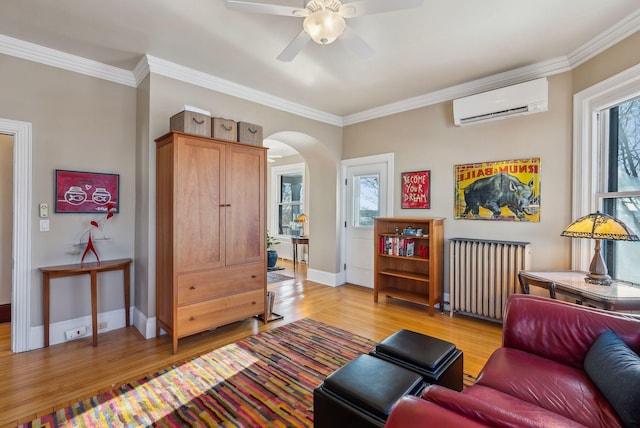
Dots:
{"x": 92, "y": 269}
{"x": 619, "y": 296}
{"x": 295, "y": 240}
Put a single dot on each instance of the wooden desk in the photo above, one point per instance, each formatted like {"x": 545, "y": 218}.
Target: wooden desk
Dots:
{"x": 92, "y": 269}
{"x": 295, "y": 240}
{"x": 619, "y": 296}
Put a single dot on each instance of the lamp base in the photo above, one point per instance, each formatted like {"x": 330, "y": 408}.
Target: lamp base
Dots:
{"x": 597, "y": 279}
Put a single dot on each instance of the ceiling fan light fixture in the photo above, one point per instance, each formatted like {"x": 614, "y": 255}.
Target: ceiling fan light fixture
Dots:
{"x": 324, "y": 26}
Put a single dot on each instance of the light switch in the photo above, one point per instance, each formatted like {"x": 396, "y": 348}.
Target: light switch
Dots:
{"x": 44, "y": 210}
{"x": 44, "y": 225}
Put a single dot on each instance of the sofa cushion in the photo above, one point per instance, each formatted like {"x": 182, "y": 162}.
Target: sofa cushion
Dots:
{"x": 495, "y": 408}
{"x": 615, "y": 369}
{"x": 559, "y": 388}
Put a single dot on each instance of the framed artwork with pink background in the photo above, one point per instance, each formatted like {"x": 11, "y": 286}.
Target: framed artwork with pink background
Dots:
{"x": 86, "y": 192}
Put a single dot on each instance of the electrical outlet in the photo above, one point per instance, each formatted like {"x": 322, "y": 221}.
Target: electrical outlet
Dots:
{"x": 102, "y": 325}
{"x": 75, "y": 333}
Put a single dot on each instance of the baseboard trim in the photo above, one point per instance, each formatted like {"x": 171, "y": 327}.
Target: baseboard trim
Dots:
{"x": 114, "y": 320}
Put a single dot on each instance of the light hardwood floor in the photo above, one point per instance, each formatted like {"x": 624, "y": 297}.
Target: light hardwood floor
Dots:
{"x": 38, "y": 382}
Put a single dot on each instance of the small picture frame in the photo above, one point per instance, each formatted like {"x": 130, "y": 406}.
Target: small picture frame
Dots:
{"x": 86, "y": 192}
{"x": 416, "y": 189}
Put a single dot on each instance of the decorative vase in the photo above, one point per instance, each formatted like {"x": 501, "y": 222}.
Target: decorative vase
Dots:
{"x": 272, "y": 258}
{"x": 90, "y": 248}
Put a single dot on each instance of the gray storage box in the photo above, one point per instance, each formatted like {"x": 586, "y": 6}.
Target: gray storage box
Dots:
{"x": 191, "y": 123}
{"x": 250, "y": 133}
{"x": 224, "y": 129}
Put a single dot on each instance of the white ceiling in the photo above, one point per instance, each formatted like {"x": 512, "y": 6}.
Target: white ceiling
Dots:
{"x": 444, "y": 44}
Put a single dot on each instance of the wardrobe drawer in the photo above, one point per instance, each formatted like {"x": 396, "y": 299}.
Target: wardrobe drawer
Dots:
{"x": 199, "y": 286}
{"x": 205, "y": 315}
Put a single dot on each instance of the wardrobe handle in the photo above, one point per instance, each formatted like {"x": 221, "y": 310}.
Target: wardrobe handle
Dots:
{"x": 193, "y": 287}
{"x": 253, "y": 276}
{"x": 193, "y": 318}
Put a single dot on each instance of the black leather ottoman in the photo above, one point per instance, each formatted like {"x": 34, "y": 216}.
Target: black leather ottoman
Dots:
{"x": 361, "y": 393}
{"x": 438, "y": 362}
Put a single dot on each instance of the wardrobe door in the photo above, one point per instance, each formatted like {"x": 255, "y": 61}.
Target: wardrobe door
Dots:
{"x": 245, "y": 205}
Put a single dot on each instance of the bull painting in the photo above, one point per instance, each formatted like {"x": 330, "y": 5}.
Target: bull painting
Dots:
{"x": 497, "y": 191}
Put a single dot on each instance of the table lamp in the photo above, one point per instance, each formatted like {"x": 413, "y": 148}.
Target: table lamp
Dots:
{"x": 599, "y": 226}
{"x": 303, "y": 218}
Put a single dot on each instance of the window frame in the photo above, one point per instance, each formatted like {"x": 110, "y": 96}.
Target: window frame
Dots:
{"x": 590, "y": 148}
{"x": 276, "y": 173}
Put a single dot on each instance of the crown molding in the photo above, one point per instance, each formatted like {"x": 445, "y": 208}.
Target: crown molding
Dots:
{"x": 606, "y": 39}
{"x": 65, "y": 61}
{"x": 204, "y": 80}
{"x": 149, "y": 64}
{"x": 543, "y": 69}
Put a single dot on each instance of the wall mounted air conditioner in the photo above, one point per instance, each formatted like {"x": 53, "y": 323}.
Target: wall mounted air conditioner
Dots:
{"x": 516, "y": 100}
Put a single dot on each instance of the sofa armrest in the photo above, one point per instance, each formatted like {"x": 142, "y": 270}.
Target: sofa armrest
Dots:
{"x": 414, "y": 412}
{"x": 562, "y": 331}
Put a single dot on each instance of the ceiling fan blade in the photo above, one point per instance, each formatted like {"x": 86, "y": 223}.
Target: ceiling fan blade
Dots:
{"x": 356, "y": 43}
{"x": 294, "y": 47}
{"x": 369, "y": 7}
{"x": 268, "y": 9}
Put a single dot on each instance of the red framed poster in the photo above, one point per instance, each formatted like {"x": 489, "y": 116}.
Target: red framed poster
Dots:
{"x": 86, "y": 192}
{"x": 416, "y": 189}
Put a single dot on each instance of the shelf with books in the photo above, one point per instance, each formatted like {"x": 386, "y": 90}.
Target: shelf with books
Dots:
{"x": 409, "y": 266}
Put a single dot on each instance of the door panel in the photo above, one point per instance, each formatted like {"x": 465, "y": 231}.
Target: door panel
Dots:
{"x": 199, "y": 229}
{"x": 366, "y": 199}
{"x": 245, "y": 201}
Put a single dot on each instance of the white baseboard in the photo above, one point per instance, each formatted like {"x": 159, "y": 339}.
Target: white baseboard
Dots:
{"x": 114, "y": 319}
{"x": 326, "y": 278}
{"x": 146, "y": 326}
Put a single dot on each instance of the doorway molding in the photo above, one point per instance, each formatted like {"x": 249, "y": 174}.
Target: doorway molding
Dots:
{"x": 21, "y": 272}
{"x": 386, "y": 158}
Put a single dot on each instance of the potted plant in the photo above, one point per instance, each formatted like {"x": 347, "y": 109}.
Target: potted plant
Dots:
{"x": 272, "y": 254}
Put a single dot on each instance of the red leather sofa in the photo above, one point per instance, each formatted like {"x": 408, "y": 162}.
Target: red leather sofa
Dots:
{"x": 559, "y": 366}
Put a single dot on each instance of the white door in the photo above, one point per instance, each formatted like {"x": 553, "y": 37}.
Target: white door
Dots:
{"x": 367, "y": 196}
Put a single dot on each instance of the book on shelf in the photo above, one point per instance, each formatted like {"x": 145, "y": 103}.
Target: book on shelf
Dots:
{"x": 397, "y": 246}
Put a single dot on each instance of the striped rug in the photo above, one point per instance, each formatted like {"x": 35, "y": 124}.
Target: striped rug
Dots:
{"x": 266, "y": 380}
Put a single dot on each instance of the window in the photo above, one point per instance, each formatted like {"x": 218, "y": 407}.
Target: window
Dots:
{"x": 366, "y": 201}
{"x": 605, "y": 167}
{"x": 621, "y": 195}
{"x": 288, "y": 189}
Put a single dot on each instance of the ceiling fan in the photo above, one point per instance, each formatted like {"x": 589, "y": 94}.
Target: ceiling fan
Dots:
{"x": 324, "y": 20}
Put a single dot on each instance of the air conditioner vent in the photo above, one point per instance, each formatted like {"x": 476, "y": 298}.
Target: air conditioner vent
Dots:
{"x": 516, "y": 100}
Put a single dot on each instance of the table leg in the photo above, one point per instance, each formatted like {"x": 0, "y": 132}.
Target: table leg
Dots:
{"x": 45, "y": 306}
{"x": 127, "y": 298}
{"x": 94, "y": 306}
{"x": 552, "y": 290}
{"x": 295, "y": 256}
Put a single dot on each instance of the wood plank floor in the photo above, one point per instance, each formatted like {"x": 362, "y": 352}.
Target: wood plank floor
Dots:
{"x": 38, "y": 382}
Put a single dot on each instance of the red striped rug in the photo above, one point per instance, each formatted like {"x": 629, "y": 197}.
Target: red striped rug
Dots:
{"x": 266, "y": 380}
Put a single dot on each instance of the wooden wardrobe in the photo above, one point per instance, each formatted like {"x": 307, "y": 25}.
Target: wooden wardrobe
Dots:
{"x": 210, "y": 233}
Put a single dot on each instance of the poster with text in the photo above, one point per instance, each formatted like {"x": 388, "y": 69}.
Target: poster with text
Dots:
{"x": 501, "y": 190}
{"x": 415, "y": 189}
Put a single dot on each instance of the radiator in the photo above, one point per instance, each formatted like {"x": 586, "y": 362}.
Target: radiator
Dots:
{"x": 483, "y": 273}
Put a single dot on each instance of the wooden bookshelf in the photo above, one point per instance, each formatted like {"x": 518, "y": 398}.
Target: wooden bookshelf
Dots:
{"x": 409, "y": 266}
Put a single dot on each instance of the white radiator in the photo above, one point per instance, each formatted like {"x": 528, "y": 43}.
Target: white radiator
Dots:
{"x": 483, "y": 273}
